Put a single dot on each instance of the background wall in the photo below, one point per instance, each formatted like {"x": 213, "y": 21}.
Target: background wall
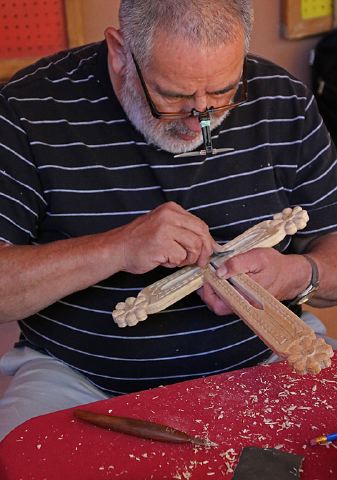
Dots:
{"x": 266, "y": 41}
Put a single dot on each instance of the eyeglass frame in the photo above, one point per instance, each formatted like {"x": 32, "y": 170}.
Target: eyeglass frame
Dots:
{"x": 193, "y": 113}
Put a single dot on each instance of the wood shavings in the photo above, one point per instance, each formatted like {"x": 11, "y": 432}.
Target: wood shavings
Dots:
{"x": 230, "y": 458}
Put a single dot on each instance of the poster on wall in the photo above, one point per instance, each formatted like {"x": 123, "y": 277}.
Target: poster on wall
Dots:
{"x": 303, "y": 18}
{"x": 30, "y": 30}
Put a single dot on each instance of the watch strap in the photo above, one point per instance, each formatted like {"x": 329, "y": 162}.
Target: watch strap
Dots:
{"x": 311, "y": 288}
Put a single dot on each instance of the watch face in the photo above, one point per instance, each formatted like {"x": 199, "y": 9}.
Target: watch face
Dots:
{"x": 307, "y": 295}
{"x": 303, "y": 300}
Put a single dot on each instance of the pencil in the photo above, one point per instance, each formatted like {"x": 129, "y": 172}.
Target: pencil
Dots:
{"x": 323, "y": 439}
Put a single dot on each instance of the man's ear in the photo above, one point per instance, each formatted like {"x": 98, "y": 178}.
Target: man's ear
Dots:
{"x": 115, "y": 43}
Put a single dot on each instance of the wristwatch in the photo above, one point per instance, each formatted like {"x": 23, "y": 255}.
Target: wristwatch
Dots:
{"x": 313, "y": 286}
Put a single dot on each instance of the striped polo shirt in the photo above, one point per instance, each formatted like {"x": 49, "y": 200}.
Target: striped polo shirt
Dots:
{"x": 71, "y": 164}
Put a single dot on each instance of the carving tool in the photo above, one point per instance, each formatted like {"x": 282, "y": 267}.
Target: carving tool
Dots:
{"x": 323, "y": 439}
{"x": 141, "y": 428}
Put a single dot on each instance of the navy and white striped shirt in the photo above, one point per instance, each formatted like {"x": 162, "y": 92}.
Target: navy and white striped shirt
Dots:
{"x": 71, "y": 164}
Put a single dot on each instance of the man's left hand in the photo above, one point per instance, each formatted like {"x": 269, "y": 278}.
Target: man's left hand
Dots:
{"x": 284, "y": 276}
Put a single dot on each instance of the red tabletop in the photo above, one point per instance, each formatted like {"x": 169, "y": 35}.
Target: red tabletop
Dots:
{"x": 265, "y": 406}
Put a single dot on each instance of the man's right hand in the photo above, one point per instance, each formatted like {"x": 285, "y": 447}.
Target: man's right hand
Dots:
{"x": 168, "y": 236}
{"x": 35, "y": 276}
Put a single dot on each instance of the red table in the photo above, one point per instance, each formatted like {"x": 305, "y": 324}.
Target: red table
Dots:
{"x": 265, "y": 406}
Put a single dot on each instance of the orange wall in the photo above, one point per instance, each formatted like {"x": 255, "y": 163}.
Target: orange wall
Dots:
{"x": 267, "y": 40}
{"x": 98, "y": 14}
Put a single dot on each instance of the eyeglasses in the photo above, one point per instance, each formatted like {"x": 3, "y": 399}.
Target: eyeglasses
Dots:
{"x": 193, "y": 113}
{"x": 204, "y": 117}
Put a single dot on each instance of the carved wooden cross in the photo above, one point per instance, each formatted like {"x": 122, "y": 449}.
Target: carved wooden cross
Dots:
{"x": 279, "y": 328}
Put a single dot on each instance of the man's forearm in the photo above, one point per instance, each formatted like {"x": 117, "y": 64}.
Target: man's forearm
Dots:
{"x": 33, "y": 277}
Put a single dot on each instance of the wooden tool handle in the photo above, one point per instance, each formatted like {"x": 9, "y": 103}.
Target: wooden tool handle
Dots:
{"x": 140, "y": 428}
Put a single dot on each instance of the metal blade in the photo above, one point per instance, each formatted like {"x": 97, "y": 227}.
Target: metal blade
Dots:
{"x": 199, "y": 153}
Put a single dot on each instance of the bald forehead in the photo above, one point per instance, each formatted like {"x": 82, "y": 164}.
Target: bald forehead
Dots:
{"x": 178, "y": 49}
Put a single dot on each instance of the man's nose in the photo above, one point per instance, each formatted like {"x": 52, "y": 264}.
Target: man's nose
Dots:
{"x": 200, "y": 103}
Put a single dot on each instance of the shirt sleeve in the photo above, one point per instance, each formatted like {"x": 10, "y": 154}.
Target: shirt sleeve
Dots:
{"x": 21, "y": 197}
{"x": 316, "y": 178}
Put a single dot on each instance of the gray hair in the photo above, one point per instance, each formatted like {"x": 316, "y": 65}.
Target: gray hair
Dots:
{"x": 204, "y": 22}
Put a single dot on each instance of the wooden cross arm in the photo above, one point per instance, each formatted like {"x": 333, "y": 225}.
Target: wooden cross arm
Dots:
{"x": 279, "y": 328}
